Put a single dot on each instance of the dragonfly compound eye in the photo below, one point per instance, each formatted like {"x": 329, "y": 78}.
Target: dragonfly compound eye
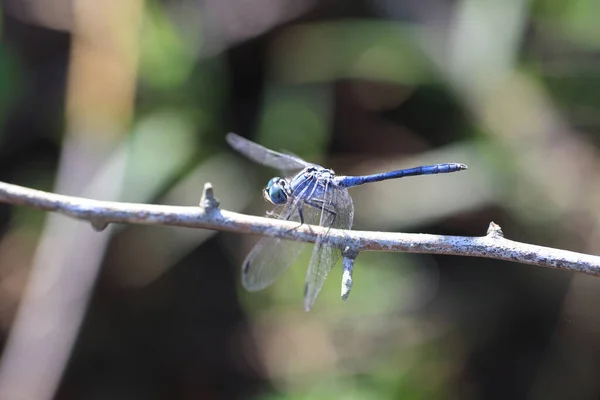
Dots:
{"x": 275, "y": 191}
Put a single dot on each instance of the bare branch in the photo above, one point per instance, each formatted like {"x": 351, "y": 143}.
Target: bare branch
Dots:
{"x": 209, "y": 216}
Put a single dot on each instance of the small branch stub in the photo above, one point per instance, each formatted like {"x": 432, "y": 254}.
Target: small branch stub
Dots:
{"x": 494, "y": 231}
{"x": 348, "y": 258}
{"x": 98, "y": 224}
{"x": 208, "y": 200}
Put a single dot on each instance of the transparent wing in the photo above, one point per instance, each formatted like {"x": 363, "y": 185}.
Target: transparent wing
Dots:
{"x": 270, "y": 257}
{"x": 265, "y": 156}
{"x": 337, "y": 211}
{"x": 267, "y": 261}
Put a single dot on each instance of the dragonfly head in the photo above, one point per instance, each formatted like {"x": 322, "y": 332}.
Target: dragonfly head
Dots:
{"x": 277, "y": 191}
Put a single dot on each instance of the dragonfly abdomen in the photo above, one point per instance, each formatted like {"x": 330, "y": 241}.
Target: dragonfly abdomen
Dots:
{"x": 349, "y": 181}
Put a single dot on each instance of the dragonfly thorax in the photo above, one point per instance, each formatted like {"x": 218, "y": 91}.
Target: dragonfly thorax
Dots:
{"x": 277, "y": 191}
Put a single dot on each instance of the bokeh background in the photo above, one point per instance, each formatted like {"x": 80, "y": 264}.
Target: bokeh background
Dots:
{"x": 131, "y": 101}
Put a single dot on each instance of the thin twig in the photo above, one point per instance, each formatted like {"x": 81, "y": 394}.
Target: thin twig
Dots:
{"x": 208, "y": 216}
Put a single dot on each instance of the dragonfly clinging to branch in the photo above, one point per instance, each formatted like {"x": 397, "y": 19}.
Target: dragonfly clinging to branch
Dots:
{"x": 316, "y": 196}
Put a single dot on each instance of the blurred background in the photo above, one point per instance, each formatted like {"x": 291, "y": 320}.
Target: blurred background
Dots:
{"x": 131, "y": 100}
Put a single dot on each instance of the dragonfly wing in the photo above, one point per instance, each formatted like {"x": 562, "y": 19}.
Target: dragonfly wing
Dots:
{"x": 264, "y": 156}
{"x": 337, "y": 211}
{"x": 267, "y": 261}
{"x": 271, "y": 257}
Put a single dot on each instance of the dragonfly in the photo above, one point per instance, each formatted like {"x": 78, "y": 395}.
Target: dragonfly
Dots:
{"x": 315, "y": 195}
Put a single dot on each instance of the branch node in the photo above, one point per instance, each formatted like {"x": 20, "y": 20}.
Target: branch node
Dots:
{"x": 348, "y": 257}
{"x": 208, "y": 200}
{"x": 494, "y": 231}
{"x": 98, "y": 224}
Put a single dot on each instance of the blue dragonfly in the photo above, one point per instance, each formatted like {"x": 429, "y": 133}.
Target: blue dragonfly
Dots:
{"x": 316, "y": 196}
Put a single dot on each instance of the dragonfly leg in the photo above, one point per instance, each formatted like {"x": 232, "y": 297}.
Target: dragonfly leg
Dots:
{"x": 317, "y": 204}
{"x": 271, "y": 214}
{"x": 300, "y": 215}
{"x": 320, "y": 205}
